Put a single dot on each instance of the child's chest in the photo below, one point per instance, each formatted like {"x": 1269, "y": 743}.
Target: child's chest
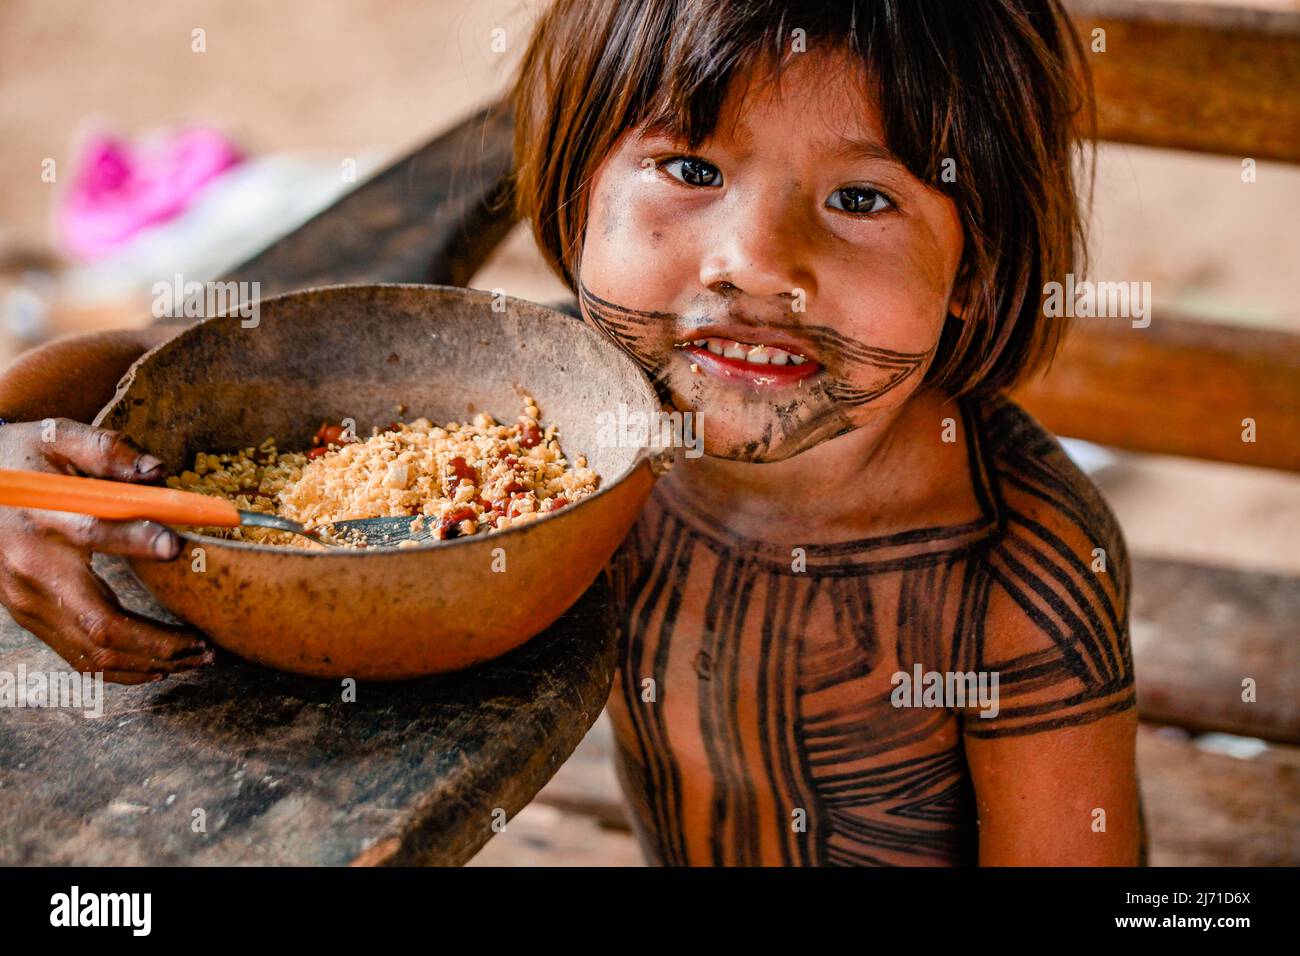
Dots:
{"x": 753, "y": 709}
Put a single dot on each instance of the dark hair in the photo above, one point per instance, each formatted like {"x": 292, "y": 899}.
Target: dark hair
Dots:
{"x": 994, "y": 85}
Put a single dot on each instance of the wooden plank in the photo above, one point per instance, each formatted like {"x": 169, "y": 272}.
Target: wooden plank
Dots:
{"x": 433, "y": 216}
{"x": 285, "y": 771}
{"x": 1175, "y": 387}
{"x": 1196, "y": 76}
{"x": 1209, "y": 809}
{"x": 1198, "y": 632}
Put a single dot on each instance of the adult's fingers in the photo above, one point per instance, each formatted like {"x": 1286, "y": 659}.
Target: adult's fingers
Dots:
{"x": 95, "y": 612}
{"x": 100, "y": 452}
{"x": 132, "y": 539}
{"x": 72, "y": 648}
{"x": 70, "y": 608}
{"x": 81, "y": 650}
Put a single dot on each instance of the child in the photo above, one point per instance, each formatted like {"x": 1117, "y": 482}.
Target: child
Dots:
{"x": 884, "y": 619}
{"x": 824, "y": 228}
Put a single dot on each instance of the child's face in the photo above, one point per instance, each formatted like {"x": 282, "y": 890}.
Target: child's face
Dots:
{"x": 776, "y": 233}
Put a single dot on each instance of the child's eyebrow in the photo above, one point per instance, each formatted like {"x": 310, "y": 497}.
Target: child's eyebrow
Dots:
{"x": 846, "y": 147}
{"x": 859, "y": 149}
{"x": 665, "y": 127}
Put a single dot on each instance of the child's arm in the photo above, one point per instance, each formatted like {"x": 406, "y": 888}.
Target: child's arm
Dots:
{"x": 1054, "y": 769}
{"x": 45, "y": 577}
{"x": 1039, "y": 795}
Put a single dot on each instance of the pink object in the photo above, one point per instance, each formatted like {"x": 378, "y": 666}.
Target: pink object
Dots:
{"x": 122, "y": 188}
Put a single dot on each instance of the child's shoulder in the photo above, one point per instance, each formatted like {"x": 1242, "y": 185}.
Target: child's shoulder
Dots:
{"x": 1039, "y": 490}
{"x": 1056, "y": 581}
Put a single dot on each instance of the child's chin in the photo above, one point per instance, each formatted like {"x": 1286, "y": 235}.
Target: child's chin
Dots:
{"x": 744, "y": 445}
{"x": 740, "y": 438}
{"x": 755, "y": 426}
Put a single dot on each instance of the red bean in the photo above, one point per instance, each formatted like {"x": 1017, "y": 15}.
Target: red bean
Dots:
{"x": 450, "y": 525}
{"x": 317, "y": 452}
{"x": 529, "y": 433}
{"x": 462, "y": 469}
{"x": 329, "y": 434}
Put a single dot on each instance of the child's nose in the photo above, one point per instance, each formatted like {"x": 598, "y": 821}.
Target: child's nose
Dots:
{"x": 761, "y": 254}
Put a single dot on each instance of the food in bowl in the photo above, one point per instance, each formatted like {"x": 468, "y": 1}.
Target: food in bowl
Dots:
{"x": 455, "y": 479}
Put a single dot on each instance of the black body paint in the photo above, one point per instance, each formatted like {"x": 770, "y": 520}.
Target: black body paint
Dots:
{"x": 773, "y": 688}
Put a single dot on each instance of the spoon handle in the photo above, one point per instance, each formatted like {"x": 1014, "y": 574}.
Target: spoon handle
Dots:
{"x": 118, "y": 500}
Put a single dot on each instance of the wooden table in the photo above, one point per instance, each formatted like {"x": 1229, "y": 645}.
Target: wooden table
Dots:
{"x": 283, "y": 769}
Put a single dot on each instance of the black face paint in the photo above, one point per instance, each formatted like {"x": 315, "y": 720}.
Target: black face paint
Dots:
{"x": 631, "y": 330}
{"x": 853, "y": 374}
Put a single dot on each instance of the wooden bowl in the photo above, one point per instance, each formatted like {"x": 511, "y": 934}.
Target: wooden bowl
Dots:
{"x": 356, "y": 352}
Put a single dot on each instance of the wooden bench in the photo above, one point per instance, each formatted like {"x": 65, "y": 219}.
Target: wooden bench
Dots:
{"x": 1221, "y": 80}
{"x": 1184, "y": 76}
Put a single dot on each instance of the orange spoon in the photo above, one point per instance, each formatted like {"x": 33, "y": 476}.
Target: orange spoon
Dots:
{"x": 122, "y": 501}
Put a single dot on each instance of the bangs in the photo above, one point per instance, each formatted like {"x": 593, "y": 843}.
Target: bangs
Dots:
{"x": 677, "y": 81}
{"x": 719, "y": 55}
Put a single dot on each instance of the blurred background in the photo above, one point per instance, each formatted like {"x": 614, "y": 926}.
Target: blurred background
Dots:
{"x": 247, "y": 137}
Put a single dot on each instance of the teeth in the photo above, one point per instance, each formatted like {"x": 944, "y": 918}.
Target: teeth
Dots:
{"x": 754, "y": 354}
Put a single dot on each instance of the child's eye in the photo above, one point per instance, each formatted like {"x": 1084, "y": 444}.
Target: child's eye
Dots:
{"x": 859, "y": 199}
{"x": 692, "y": 171}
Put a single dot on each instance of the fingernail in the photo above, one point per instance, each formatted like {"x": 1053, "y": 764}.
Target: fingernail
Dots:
{"x": 147, "y": 463}
{"x": 166, "y": 545}
{"x": 208, "y": 658}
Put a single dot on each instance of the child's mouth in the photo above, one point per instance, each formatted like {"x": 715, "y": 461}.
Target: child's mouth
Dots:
{"x": 755, "y": 364}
